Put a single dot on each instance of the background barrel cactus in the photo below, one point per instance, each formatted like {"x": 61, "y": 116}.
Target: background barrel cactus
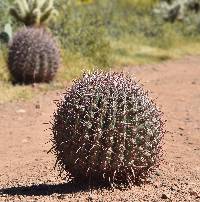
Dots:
{"x": 33, "y": 52}
{"x": 33, "y": 56}
{"x": 107, "y": 129}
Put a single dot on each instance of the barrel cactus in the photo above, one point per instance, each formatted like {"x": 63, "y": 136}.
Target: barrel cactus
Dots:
{"x": 33, "y": 52}
{"x": 107, "y": 129}
{"x": 33, "y": 56}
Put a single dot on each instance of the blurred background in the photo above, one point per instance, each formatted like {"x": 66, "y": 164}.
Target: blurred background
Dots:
{"x": 108, "y": 34}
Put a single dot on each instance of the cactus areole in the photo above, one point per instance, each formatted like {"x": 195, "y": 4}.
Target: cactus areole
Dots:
{"x": 107, "y": 129}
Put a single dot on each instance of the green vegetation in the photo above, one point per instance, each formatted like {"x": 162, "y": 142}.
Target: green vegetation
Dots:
{"x": 108, "y": 33}
{"x": 33, "y": 12}
{"x": 172, "y": 10}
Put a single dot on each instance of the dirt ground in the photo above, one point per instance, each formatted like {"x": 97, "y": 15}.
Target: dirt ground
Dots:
{"x": 27, "y": 171}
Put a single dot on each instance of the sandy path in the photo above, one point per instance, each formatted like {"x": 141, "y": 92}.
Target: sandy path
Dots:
{"x": 26, "y": 170}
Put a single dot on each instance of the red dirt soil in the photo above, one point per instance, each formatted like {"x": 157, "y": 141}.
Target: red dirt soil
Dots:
{"x": 27, "y": 171}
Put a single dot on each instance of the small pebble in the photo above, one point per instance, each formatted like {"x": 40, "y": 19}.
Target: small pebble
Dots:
{"x": 194, "y": 193}
{"x": 21, "y": 111}
{"x": 37, "y": 106}
{"x": 25, "y": 141}
{"x": 165, "y": 196}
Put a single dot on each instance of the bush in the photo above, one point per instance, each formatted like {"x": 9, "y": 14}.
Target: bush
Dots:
{"x": 4, "y": 6}
{"x": 80, "y": 29}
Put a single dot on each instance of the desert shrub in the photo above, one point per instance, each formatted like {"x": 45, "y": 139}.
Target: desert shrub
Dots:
{"x": 107, "y": 129}
{"x": 138, "y": 18}
{"x": 4, "y": 73}
{"x": 177, "y": 9}
{"x": 183, "y": 16}
{"x": 131, "y": 18}
{"x": 91, "y": 30}
{"x": 4, "y": 6}
{"x": 80, "y": 29}
{"x": 5, "y": 17}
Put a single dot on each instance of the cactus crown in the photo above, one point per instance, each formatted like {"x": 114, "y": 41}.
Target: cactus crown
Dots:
{"x": 33, "y": 12}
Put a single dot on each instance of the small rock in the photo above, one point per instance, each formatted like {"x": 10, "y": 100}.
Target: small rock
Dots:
{"x": 157, "y": 173}
{"x": 194, "y": 193}
{"x": 165, "y": 196}
{"x": 178, "y": 157}
{"x": 25, "y": 141}
{"x": 173, "y": 188}
{"x": 37, "y": 106}
{"x": 163, "y": 184}
{"x": 21, "y": 111}
{"x": 156, "y": 184}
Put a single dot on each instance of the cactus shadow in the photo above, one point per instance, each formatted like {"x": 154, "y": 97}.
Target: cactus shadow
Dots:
{"x": 47, "y": 190}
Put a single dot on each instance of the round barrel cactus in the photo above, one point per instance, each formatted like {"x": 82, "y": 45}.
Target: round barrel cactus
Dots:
{"x": 107, "y": 129}
{"x": 33, "y": 56}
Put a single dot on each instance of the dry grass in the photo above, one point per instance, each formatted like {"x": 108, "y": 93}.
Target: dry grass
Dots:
{"x": 139, "y": 51}
{"x": 127, "y": 52}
